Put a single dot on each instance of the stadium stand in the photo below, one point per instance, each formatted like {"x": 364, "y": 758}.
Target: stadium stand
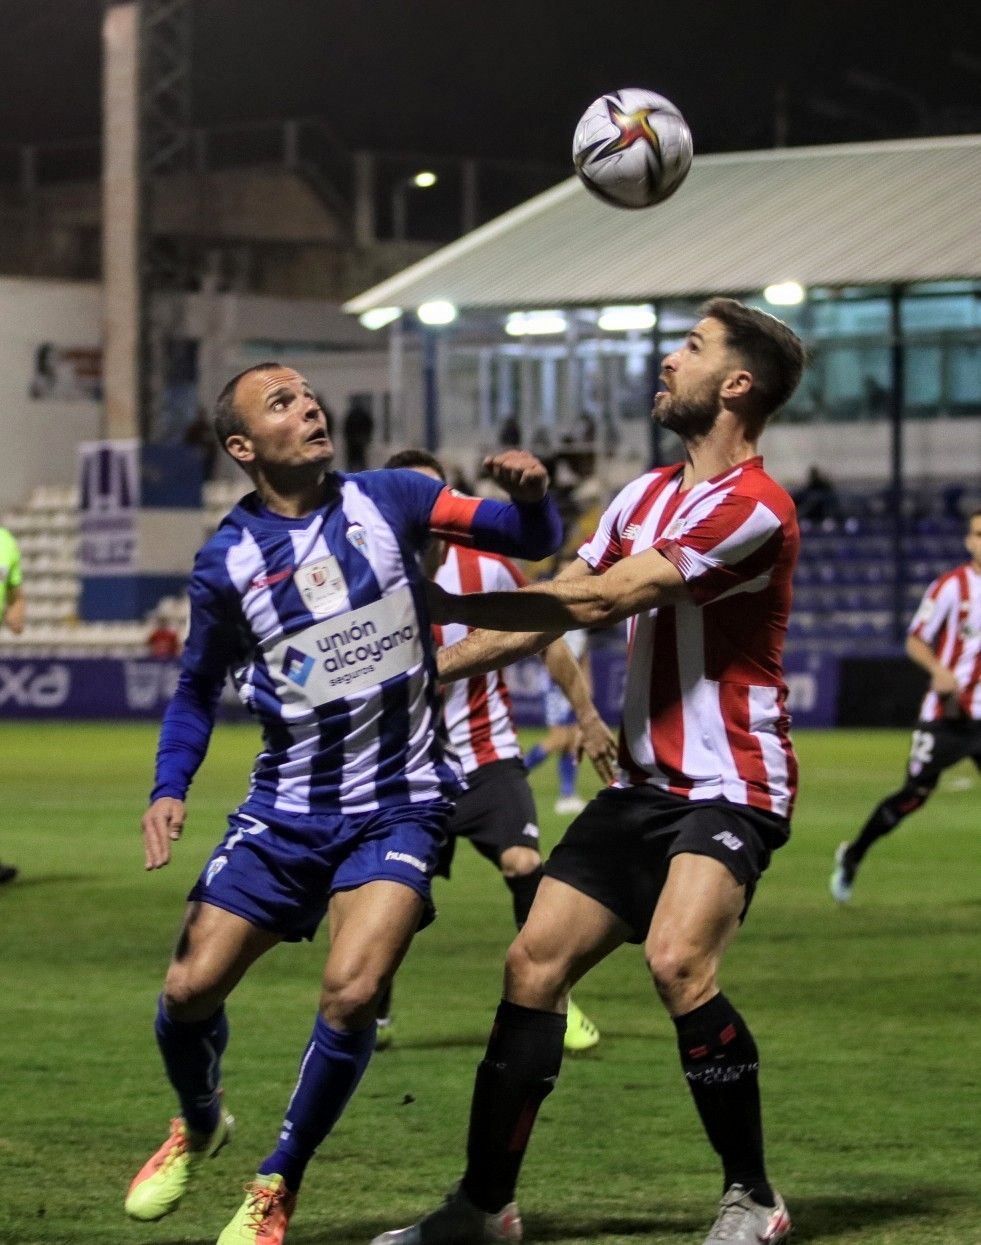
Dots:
{"x": 46, "y": 529}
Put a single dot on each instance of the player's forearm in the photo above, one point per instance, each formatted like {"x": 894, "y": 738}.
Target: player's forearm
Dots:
{"x": 561, "y": 605}
{"x": 922, "y": 654}
{"x": 568, "y": 674}
{"x": 16, "y": 615}
{"x": 483, "y": 651}
{"x": 184, "y": 735}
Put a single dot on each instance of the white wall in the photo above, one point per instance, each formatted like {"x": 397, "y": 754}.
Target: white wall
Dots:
{"x": 38, "y": 437}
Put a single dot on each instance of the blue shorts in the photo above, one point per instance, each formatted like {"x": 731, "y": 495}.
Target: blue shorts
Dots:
{"x": 280, "y": 875}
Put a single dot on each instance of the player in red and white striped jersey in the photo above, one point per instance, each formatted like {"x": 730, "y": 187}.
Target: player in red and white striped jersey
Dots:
{"x": 497, "y": 810}
{"x": 699, "y": 557}
{"x": 945, "y": 639}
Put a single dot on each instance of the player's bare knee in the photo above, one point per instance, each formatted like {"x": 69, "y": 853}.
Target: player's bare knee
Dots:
{"x": 350, "y": 1001}
{"x": 518, "y": 862}
{"x": 187, "y": 996}
{"x": 532, "y": 979}
{"x": 679, "y": 972}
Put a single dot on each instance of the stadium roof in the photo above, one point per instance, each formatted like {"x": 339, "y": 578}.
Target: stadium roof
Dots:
{"x": 858, "y": 214}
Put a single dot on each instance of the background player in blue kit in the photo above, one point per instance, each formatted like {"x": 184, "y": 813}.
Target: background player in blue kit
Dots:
{"x": 310, "y": 595}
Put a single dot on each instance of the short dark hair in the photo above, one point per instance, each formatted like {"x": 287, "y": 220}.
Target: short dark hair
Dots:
{"x": 771, "y": 350}
{"x": 227, "y": 420}
{"x": 417, "y": 458}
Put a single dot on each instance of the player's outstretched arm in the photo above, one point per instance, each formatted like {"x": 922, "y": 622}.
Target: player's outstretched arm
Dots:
{"x": 162, "y": 824}
{"x": 638, "y": 583}
{"x": 483, "y": 651}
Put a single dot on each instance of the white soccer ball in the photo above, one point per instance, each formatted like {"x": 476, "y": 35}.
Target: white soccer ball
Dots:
{"x": 632, "y": 148}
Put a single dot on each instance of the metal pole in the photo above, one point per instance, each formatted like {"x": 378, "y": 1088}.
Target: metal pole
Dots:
{"x": 897, "y": 486}
{"x": 430, "y": 388}
{"x": 655, "y": 431}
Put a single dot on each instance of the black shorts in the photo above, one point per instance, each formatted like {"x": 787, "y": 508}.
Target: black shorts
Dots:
{"x": 936, "y": 746}
{"x": 497, "y": 811}
{"x": 618, "y": 849}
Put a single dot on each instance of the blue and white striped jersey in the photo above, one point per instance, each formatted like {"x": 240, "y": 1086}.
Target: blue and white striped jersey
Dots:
{"x": 322, "y": 623}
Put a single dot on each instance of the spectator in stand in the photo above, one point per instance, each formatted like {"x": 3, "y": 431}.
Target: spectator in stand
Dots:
{"x": 163, "y": 641}
{"x": 817, "y": 501}
{"x": 199, "y": 435}
{"x": 13, "y": 611}
{"x": 359, "y": 429}
{"x": 509, "y": 436}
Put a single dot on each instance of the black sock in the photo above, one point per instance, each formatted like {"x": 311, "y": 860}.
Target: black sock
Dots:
{"x": 721, "y": 1063}
{"x": 523, "y": 889}
{"x": 518, "y": 1072}
{"x": 886, "y": 817}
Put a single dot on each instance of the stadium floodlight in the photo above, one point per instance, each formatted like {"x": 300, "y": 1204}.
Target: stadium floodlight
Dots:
{"x": 626, "y": 319}
{"x": 439, "y": 311}
{"x": 424, "y": 179}
{"x": 378, "y": 317}
{"x": 535, "y": 323}
{"x": 784, "y": 294}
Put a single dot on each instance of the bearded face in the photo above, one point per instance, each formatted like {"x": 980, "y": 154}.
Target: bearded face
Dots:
{"x": 690, "y": 409}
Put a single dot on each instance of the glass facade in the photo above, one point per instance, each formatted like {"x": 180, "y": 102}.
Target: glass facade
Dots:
{"x": 549, "y": 382}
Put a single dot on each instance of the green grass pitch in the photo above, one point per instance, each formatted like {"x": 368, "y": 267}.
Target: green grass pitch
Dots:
{"x": 866, "y": 1017}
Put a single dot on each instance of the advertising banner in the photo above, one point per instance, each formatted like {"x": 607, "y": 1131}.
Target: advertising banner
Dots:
{"x": 109, "y": 501}
{"x": 93, "y": 688}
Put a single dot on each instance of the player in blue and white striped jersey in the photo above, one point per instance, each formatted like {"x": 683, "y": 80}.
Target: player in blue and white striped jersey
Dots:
{"x": 310, "y": 595}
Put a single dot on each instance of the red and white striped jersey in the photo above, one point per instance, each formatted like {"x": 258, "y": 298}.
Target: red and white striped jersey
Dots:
{"x": 477, "y": 710}
{"x": 949, "y": 620}
{"x": 703, "y": 712}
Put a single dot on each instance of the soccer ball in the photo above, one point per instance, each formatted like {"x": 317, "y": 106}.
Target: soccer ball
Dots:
{"x": 632, "y": 148}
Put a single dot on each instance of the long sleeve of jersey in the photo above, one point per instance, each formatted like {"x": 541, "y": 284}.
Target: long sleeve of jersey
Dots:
{"x": 531, "y": 531}
{"x": 190, "y": 716}
{"x": 184, "y": 735}
{"x": 517, "y": 530}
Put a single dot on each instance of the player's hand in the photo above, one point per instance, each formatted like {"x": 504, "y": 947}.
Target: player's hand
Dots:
{"x": 944, "y": 683}
{"x": 600, "y": 745}
{"x": 162, "y": 823}
{"x": 522, "y": 476}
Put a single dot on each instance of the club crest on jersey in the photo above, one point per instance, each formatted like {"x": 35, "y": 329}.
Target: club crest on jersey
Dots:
{"x": 358, "y": 537}
{"x": 214, "y": 868}
{"x": 297, "y": 666}
{"x": 322, "y": 586}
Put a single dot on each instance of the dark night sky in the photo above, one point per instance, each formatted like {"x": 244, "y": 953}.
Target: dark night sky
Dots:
{"x": 510, "y": 77}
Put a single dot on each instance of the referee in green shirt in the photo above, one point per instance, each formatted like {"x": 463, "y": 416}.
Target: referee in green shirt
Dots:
{"x": 12, "y": 610}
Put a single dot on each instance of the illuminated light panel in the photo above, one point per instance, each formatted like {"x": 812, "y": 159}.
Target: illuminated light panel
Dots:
{"x": 535, "y": 323}
{"x": 439, "y": 311}
{"x": 378, "y": 317}
{"x": 625, "y": 319}
{"x": 424, "y": 179}
{"x": 784, "y": 294}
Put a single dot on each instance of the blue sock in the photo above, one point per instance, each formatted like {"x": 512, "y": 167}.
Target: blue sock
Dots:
{"x": 192, "y": 1056}
{"x": 535, "y": 756}
{"x": 568, "y": 769}
{"x": 332, "y": 1066}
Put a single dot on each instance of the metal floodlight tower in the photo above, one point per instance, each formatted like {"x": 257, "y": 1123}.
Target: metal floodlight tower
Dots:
{"x": 165, "y": 46}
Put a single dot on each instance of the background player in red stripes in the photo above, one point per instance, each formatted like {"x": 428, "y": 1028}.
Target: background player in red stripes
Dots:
{"x": 699, "y": 556}
{"x": 945, "y": 639}
{"x": 497, "y": 811}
